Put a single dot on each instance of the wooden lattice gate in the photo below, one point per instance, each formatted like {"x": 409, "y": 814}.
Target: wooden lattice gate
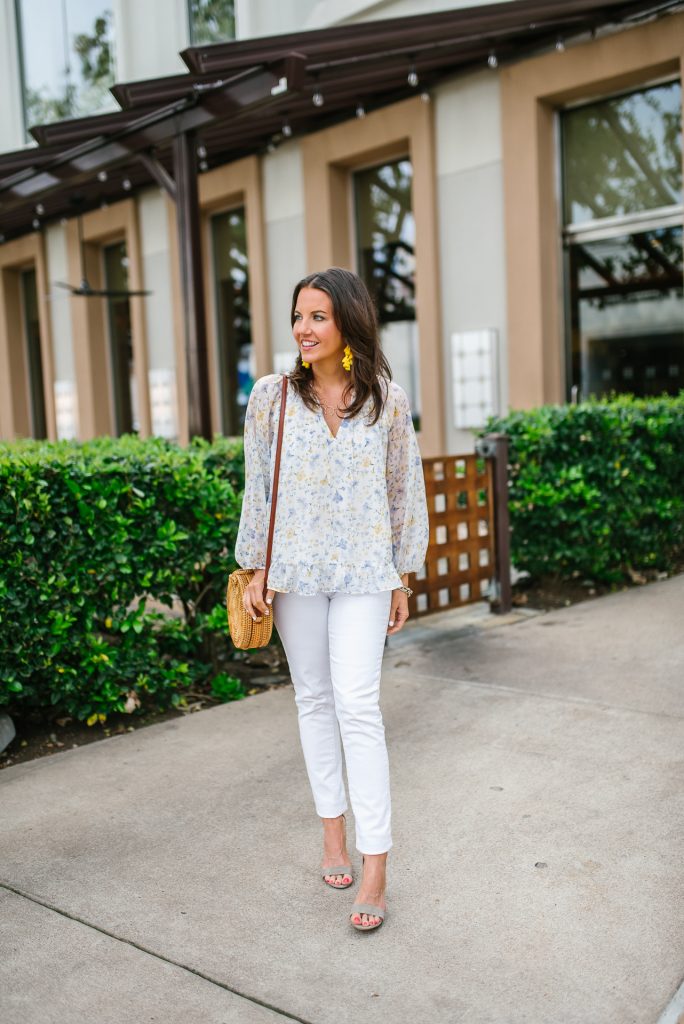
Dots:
{"x": 468, "y": 552}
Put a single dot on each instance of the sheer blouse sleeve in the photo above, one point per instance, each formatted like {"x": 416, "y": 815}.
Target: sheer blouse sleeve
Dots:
{"x": 250, "y": 546}
{"x": 406, "y": 490}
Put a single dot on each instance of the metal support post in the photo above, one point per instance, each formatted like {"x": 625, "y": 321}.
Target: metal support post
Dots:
{"x": 494, "y": 447}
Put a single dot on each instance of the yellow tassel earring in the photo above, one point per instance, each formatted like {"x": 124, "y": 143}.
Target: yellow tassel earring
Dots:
{"x": 306, "y": 365}
{"x": 347, "y": 358}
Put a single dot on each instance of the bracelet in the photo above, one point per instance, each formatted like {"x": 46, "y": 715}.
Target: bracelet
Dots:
{"x": 406, "y": 590}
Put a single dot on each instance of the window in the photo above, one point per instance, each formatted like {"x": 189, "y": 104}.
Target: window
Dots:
{"x": 34, "y": 359}
{"x": 211, "y": 21}
{"x": 120, "y": 340}
{"x": 385, "y": 249}
{"x": 67, "y": 59}
{"x": 622, "y": 204}
{"x": 231, "y": 282}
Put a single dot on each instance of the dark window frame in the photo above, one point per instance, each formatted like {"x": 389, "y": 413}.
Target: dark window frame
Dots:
{"x": 574, "y": 235}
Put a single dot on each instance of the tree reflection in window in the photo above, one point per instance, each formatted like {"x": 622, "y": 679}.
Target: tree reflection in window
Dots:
{"x": 386, "y": 260}
{"x": 67, "y": 59}
{"x": 211, "y": 21}
{"x": 626, "y": 312}
{"x": 386, "y": 236}
{"x": 623, "y": 155}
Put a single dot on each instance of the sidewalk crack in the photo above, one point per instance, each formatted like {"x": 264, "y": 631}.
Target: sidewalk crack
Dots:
{"x": 153, "y": 953}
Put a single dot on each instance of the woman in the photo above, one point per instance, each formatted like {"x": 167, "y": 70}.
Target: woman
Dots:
{"x": 351, "y": 524}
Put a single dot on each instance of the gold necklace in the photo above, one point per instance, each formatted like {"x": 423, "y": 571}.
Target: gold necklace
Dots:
{"x": 331, "y": 409}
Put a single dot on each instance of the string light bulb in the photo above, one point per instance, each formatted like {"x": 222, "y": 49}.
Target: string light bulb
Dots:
{"x": 317, "y": 98}
{"x": 126, "y": 184}
{"x": 286, "y": 130}
{"x": 425, "y": 96}
{"x": 560, "y": 45}
{"x": 201, "y": 151}
{"x": 360, "y": 111}
{"x": 40, "y": 209}
{"x": 492, "y": 60}
{"x": 101, "y": 175}
{"x": 412, "y": 77}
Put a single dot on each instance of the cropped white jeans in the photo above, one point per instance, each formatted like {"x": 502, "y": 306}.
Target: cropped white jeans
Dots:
{"x": 334, "y": 644}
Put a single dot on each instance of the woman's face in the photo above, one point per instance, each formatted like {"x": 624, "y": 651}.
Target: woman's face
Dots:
{"x": 314, "y": 328}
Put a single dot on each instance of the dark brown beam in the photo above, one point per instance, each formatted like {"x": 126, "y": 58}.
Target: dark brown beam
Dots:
{"x": 190, "y": 252}
{"x": 158, "y": 172}
{"x": 77, "y": 129}
{"x": 140, "y": 134}
{"x": 391, "y": 33}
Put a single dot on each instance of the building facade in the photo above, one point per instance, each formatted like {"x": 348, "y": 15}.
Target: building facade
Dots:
{"x": 518, "y": 221}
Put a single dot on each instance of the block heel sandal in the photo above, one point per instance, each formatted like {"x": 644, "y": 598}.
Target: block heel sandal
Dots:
{"x": 367, "y": 908}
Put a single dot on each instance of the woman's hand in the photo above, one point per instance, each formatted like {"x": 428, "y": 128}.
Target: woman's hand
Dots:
{"x": 399, "y": 611}
{"x": 253, "y": 597}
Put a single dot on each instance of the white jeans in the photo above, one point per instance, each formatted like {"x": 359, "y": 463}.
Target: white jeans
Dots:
{"x": 334, "y": 644}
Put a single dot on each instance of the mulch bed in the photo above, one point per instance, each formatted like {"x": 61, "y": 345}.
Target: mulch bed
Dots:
{"x": 261, "y": 670}
{"x": 40, "y": 735}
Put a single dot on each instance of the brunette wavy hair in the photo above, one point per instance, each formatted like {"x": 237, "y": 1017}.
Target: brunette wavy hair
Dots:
{"x": 356, "y": 319}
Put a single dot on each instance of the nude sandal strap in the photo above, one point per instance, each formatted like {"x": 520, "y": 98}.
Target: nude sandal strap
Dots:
{"x": 341, "y": 869}
{"x": 368, "y": 908}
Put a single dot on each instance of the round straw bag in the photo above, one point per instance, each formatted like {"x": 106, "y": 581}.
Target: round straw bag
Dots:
{"x": 244, "y": 631}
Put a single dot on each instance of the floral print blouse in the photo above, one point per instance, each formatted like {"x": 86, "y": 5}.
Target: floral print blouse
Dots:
{"x": 352, "y": 512}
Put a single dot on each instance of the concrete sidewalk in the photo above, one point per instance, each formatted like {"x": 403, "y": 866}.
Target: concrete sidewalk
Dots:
{"x": 537, "y": 873}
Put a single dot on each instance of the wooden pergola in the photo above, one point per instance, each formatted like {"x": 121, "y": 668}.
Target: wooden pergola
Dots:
{"x": 246, "y": 97}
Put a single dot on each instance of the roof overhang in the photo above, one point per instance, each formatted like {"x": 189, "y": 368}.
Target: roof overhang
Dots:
{"x": 237, "y": 97}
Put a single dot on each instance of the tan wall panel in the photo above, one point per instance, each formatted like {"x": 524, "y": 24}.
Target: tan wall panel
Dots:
{"x": 224, "y": 188}
{"x": 328, "y": 157}
{"x": 15, "y": 361}
{"x": 89, "y": 318}
{"x": 531, "y": 92}
{"x": 15, "y": 419}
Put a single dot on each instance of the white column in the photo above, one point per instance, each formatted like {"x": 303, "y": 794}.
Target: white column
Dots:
{"x": 66, "y": 395}
{"x": 161, "y": 358}
{"x": 285, "y": 244}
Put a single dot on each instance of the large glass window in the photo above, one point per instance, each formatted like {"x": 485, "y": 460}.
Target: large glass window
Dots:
{"x": 121, "y": 361}
{"x": 67, "y": 58}
{"x": 622, "y": 203}
{"x": 231, "y": 282}
{"x": 385, "y": 250}
{"x": 211, "y": 21}
{"x": 34, "y": 358}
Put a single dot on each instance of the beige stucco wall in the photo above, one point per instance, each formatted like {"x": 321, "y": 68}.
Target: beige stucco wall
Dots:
{"x": 469, "y": 169}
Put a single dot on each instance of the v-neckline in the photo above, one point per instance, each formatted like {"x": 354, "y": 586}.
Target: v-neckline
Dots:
{"x": 333, "y": 437}
{"x": 321, "y": 415}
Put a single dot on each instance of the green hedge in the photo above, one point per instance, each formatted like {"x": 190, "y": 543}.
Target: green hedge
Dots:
{"x": 97, "y": 541}
{"x": 596, "y": 488}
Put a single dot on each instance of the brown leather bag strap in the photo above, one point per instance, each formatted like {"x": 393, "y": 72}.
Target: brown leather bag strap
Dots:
{"x": 276, "y": 474}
